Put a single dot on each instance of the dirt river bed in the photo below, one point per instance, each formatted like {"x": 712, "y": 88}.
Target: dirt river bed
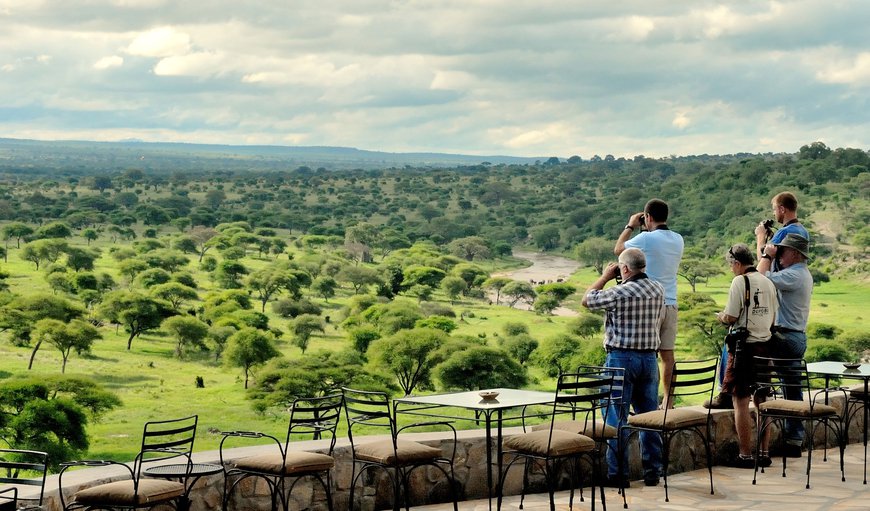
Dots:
{"x": 545, "y": 268}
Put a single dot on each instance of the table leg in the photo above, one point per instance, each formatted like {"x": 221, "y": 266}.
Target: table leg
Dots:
{"x": 865, "y": 404}
{"x": 489, "y": 484}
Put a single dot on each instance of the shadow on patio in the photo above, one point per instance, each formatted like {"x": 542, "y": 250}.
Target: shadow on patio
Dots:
{"x": 733, "y": 486}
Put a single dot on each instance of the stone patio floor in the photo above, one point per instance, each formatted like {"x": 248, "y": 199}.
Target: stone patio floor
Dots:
{"x": 690, "y": 491}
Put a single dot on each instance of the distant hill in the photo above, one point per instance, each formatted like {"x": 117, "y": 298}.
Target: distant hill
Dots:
{"x": 18, "y": 154}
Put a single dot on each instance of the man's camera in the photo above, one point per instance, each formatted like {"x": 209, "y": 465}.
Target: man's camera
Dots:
{"x": 768, "y": 227}
{"x": 642, "y": 220}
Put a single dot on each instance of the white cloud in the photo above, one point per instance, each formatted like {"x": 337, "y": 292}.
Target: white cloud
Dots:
{"x": 311, "y": 70}
{"x": 194, "y": 64}
{"x": 160, "y": 42}
{"x": 109, "y": 62}
{"x": 848, "y": 71}
{"x": 554, "y": 78}
{"x": 452, "y": 80}
{"x": 632, "y": 28}
{"x": 681, "y": 121}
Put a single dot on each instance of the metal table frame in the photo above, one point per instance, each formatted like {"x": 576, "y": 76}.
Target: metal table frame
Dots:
{"x": 187, "y": 474}
{"x": 493, "y": 411}
{"x": 838, "y": 370}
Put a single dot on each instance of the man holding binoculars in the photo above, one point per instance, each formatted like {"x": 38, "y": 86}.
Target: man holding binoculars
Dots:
{"x": 663, "y": 249}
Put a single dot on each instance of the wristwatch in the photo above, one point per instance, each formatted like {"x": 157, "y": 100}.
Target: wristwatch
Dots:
{"x": 628, "y": 227}
{"x": 766, "y": 256}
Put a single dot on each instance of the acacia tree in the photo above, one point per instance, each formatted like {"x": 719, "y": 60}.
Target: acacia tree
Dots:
{"x": 317, "y": 374}
{"x": 51, "y": 414}
{"x": 136, "y": 312}
{"x": 204, "y": 238}
{"x": 481, "y": 367}
{"x": 453, "y": 287}
{"x": 249, "y": 348}
{"x": 16, "y": 230}
{"x": 496, "y": 284}
{"x": 408, "y": 354}
{"x": 695, "y": 269}
{"x": 76, "y": 335}
{"x": 22, "y": 313}
{"x": 175, "y": 293}
{"x": 698, "y": 319}
{"x": 358, "y": 277}
{"x": 469, "y": 248}
{"x": 41, "y": 250}
{"x": 518, "y": 290}
{"x": 324, "y": 287}
{"x": 303, "y": 327}
{"x": 595, "y": 252}
{"x": 188, "y": 332}
{"x": 270, "y": 281}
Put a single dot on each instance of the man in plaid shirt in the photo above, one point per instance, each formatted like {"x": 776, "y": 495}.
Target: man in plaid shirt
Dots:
{"x": 631, "y": 339}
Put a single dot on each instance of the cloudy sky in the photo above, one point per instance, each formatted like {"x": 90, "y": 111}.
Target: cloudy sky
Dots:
{"x": 525, "y": 78}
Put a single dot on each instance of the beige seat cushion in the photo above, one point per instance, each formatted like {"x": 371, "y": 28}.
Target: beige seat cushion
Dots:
{"x": 600, "y": 430}
{"x": 676, "y": 418}
{"x": 796, "y": 408}
{"x": 408, "y": 452}
{"x": 562, "y": 444}
{"x": 857, "y": 391}
{"x": 296, "y": 462}
{"x": 121, "y": 493}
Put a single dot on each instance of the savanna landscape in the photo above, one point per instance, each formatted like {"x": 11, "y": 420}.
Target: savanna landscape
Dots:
{"x": 138, "y": 287}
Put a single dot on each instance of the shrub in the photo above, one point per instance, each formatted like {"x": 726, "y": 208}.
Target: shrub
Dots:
{"x": 823, "y": 331}
{"x": 289, "y": 308}
{"x": 514, "y": 328}
{"x": 827, "y": 350}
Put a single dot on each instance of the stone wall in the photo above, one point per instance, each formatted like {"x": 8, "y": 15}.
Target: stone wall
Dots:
{"x": 428, "y": 485}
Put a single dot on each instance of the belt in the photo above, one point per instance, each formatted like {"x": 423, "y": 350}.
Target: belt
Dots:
{"x": 787, "y": 330}
{"x": 608, "y": 349}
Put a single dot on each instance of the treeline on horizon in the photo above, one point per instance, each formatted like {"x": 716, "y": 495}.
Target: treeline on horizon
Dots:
{"x": 554, "y": 205}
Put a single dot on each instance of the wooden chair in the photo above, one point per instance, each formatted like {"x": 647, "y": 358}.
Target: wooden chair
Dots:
{"x": 396, "y": 456}
{"x": 21, "y": 467}
{"x": 689, "y": 378}
{"x": 550, "y": 446}
{"x": 315, "y": 418}
{"x": 162, "y": 441}
{"x": 773, "y": 377}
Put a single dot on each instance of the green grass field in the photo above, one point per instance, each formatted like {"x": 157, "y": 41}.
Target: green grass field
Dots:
{"x": 153, "y": 384}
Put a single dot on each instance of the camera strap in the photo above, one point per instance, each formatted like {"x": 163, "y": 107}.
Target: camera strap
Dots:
{"x": 746, "y": 294}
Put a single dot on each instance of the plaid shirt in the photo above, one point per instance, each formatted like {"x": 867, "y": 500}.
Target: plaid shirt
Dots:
{"x": 633, "y": 311}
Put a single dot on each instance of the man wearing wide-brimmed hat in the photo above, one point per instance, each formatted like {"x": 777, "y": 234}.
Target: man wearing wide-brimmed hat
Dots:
{"x": 794, "y": 285}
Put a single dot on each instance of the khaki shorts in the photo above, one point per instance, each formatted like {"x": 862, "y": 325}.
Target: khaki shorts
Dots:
{"x": 668, "y": 328}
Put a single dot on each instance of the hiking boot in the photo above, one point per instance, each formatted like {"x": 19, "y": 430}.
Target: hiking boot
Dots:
{"x": 615, "y": 481}
{"x": 743, "y": 462}
{"x": 651, "y": 480}
{"x": 790, "y": 451}
{"x": 764, "y": 461}
{"x": 720, "y": 402}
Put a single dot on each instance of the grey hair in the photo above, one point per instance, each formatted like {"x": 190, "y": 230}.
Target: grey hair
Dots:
{"x": 633, "y": 258}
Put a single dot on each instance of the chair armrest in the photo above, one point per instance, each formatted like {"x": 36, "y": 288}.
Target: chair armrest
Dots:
{"x": 434, "y": 423}
{"x": 829, "y": 390}
{"x": 449, "y": 424}
{"x": 560, "y": 410}
{"x": 247, "y": 435}
{"x": 13, "y": 490}
{"x": 85, "y": 463}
